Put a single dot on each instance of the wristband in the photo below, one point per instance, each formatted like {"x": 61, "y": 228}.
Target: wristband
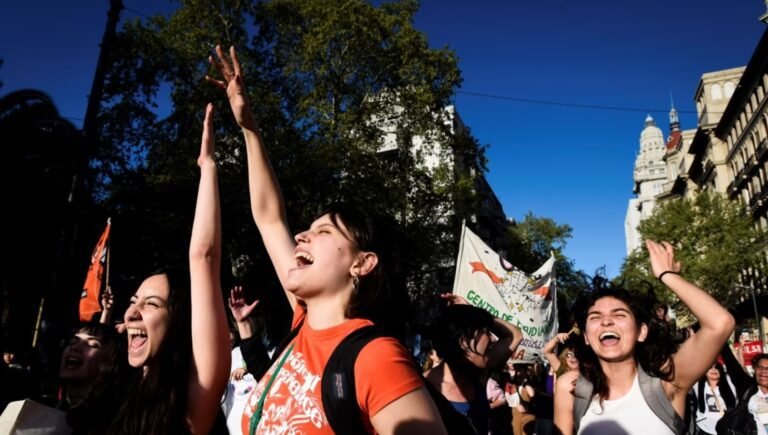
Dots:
{"x": 666, "y": 272}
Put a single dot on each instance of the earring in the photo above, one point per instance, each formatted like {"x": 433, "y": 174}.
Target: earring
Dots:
{"x": 355, "y": 284}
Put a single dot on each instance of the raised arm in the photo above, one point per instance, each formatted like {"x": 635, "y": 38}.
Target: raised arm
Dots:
{"x": 697, "y": 353}
{"x": 508, "y": 335}
{"x": 210, "y": 335}
{"x": 267, "y": 205}
{"x": 550, "y": 347}
{"x": 563, "y": 416}
{"x": 107, "y": 303}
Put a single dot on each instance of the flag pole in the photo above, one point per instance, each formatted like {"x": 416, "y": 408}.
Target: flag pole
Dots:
{"x": 458, "y": 258}
{"x": 37, "y": 322}
{"x": 109, "y": 251}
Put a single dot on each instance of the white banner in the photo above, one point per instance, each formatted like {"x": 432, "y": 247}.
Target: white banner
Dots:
{"x": 490, "y": 282}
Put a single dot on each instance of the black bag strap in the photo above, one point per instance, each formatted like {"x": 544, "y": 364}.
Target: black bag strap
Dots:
{"x": 338, "y": 382}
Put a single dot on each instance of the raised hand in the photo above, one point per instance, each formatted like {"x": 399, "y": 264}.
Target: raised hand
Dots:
{"x": 454, "y": 299}
{"x": 233, "y": 84}
{"x": 107, "y": 301}
{"x": 240, "y": 309}
{"x": 662, "y": 257}
{"x": 562, "y": 337}
{"x": 238, "y": 374}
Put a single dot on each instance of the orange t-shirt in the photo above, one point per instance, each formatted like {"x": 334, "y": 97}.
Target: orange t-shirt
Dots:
{"x": 384, "y": 372}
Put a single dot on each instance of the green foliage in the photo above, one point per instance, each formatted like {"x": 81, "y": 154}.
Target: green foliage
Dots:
{"x": 714, "y": 239}
{"x": 326, "y": 78}
{"x": 532, "y": 241}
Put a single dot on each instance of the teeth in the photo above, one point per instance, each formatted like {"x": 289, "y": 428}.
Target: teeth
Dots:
{"x": 136, "y": 331}
{"x": 605, "y": 335}
{"x": 304, "y": 257}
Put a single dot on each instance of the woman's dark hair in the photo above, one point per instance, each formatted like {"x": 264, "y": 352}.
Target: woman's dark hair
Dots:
{"x": 381, "y": 295}
{"x": 654, "y": 354}
{"x": 131, "y": 402}
{"x": 725, "y": 389}
{"x": 454, "y": 329}
{"x": 109, "y": 344}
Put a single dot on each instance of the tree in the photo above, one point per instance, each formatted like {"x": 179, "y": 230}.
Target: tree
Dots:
{"x": 714, "y": 239}
{"x": 329, "y": 81}
{"x": 532, "y": 241}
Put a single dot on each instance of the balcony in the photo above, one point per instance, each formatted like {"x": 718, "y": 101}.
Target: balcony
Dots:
{"x": 762, "y": 150}
{"x": 732, "y": 189}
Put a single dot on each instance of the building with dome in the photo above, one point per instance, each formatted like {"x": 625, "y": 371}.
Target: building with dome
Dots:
{"x": 650, "y": 176}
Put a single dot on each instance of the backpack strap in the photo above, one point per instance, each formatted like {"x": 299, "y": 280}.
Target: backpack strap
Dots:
{"x": 582, "y": 396}
{"x": 653, "y": 393}
{"x": 338, "y": 382}
{"x": 657, "y": 400}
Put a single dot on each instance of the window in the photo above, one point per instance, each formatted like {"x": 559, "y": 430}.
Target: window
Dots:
{"x": 729, "y": 88}
{"x": 717, "y": 92}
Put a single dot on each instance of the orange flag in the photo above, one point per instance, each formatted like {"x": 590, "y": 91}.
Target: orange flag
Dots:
{"x": 89, "y": 298}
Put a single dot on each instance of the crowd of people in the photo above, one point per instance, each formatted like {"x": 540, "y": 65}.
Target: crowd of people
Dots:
{"x": 175, "y": 365}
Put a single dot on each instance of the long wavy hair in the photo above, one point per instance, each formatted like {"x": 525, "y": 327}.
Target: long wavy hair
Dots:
{"x": 131, "y": 401}
{"x": 654, "y": 354}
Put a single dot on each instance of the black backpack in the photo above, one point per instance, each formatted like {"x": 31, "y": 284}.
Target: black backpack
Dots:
{"x": 338, "y": 386}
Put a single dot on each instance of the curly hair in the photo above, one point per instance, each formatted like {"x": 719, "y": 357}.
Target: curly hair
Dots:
{"x": 654, "y": 354}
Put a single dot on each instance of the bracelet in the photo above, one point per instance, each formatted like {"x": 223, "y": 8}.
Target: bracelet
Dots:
{"x": 666, "y": 272}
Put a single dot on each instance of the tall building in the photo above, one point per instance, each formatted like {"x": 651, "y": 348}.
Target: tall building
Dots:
{"x": 649, "y": 178}
{"x": 678, "y": 161}
{"x": 735, "y": 158}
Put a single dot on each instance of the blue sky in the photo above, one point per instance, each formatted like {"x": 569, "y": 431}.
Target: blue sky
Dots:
{"x": 567, "y": 163}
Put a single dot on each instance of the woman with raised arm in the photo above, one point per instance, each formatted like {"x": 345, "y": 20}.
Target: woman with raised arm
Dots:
{"x": 633, "y": 379}
{"x": 178, "y": 346}
{"x": 341, "y": 271}
{"x": 472, "y": 342}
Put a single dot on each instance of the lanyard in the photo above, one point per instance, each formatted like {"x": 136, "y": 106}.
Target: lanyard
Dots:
{"x": 256, "y": 417}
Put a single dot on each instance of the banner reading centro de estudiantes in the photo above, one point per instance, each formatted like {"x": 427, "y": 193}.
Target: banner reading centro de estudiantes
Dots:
{"x": 490, "y": 282}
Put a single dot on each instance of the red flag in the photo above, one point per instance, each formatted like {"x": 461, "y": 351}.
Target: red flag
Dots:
{"x": 89, "y": 298}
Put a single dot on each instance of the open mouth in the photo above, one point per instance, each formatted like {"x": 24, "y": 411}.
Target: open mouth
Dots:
{"x": 136, "y": 339}
{"x": 304, "y": 259}
{"x": 609, "y": 338}
{"x": 72, "y": 362}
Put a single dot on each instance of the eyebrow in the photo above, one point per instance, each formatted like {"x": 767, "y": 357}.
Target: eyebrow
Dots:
{"x": 615, "y": 310}
{"x": 160, "y": 298}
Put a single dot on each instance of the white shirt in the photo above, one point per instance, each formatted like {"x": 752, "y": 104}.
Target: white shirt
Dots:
{"x": 236, "y": 394}
{"x": 758, "y": 406}
{"x": 714, "y": 407}
{"x": 627, "y": 415}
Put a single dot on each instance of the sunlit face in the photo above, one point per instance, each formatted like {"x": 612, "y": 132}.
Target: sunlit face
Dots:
{"x": 570, "y": 360}
{"x": 81, "y": 358}
{"x": 476, "y": 349}
{"x": 713, "y": 375}
{"x": 146, "y": 320}
{"x": 434, "y": 357}
{"x": 761, "y": 374}
{"x": 325, "y": 257}
{"x": 612, "y": 331}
